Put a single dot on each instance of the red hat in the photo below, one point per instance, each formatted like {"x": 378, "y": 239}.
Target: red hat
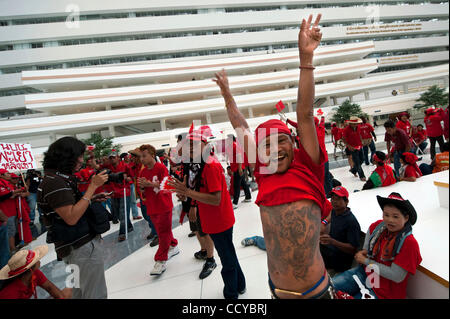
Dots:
{"x": 430, "y": 110}
{"x": 271, "y": 126}
{"x": 3, "y": 171}
{"x": 409, "y": 158}
{"x": 197, "y": 136}
{"x": 340, "y": 191}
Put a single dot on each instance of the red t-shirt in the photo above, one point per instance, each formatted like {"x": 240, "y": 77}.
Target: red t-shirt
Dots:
{"x": 445, "y": 118}
{"x": 18, "y": 290}
{"x": 366, "y": 130}
{"x": 433, "y": 125}
{"x": 386, "y": 174}
{"x": 408, "y": 258}
{"x": 352, "y": 137}
{"x": 419, "y": 136}
{"x": 8, "y": 206}
{"x": 337, "y": 133}
{"x": 157, "y": 201}
{"x": 405, "y": 126}
{"x": 215, "y": 219}
{"x": 411, "y": 171}
{"x": 320, "y": 129}
{"x": 303, "y": 180}
{"x": 236, "y": 158}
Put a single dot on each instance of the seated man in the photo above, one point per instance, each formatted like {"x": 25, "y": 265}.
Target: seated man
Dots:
{"x": 383, "y": 175}
{"x": 419, "y": 136}
{"x": 438, "y": 164}
{"x": 339, "y": 241}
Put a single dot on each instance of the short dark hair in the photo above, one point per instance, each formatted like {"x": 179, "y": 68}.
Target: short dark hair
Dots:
{"x": 381, "y": 156}
{"x": 63, "y": 154}
{"x": 420, "y": 125}
{"x": 389, "y": 124}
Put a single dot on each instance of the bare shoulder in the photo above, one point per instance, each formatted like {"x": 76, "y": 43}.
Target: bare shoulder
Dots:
{"x": 291, "y": 233}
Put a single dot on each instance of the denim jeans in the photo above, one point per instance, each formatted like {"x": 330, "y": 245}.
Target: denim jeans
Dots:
{"x": 31, "y": 199}
{"x": 118, "y": 212}
{"x": 260, "y": 242}
{"x": 239, "y": 181}
{"x": 232, "y": 274}
{"x": 147, "y": 218}
{"x": 4, "y": 245}
{"x": 426, "y": 169}
{"x": 358, "y": 158}
{"x": 345, "y": 282}
{"x": 366, "y": 152}
{"x": 134, "y": 209}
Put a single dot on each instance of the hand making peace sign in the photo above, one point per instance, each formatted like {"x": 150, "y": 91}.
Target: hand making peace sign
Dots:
{"x": 309, "y": 37}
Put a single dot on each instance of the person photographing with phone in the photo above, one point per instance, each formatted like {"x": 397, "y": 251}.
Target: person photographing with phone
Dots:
{"x": 73, "y": 221}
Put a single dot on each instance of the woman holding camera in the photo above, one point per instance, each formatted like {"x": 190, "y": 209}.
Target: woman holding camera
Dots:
{"x": 72, "y": 224}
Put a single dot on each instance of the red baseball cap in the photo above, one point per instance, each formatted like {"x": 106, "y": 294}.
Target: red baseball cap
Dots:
{"x": 3, "y": 171}
{"x": 340, "y": 191}
{"x": 271, "y": 126}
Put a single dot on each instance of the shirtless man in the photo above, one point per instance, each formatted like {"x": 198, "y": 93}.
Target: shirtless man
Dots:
{"x": 292, "y": 200}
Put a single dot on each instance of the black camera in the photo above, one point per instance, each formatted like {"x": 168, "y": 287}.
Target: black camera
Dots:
{"x": 114, "y": 177}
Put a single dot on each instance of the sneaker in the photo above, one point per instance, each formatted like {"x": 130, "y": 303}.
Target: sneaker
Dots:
{"x": 208, "y": 268}
{"x": 151, "y": 236}
{"x": 247, "y": 200}
{"x": 191, "y": 234}
{"x": 154, "y": 242}
{"x": 172, "y": 252}
{"x": 249, "y": 241}
{"x": 121, "y": 238}
{"x": 137, "y": 217}
{"x": 159, "y": 268}
{"x": 235, "y": 206}
{"x": 201, "y": 255}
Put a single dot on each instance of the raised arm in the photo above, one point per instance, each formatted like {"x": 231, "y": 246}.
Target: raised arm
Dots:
{"x": 308, "y": 40}
{"x": 237, "y": 119}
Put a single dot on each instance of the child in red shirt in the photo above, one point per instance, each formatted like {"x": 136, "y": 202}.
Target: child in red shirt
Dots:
{"x": 159, "y": 206}
{"x": 390, "y": 253}
{"x": 22, "y": 276}
{"x": 409, "y": 171}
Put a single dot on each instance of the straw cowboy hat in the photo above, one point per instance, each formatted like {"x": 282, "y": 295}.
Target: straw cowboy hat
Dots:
{"x": 21, "y": 261}
{"x": 354, "y": 120}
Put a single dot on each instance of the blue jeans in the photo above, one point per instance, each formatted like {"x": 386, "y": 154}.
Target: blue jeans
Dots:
{"x": 397, "y": 164}
{"x": 345, "y": 282}
{"x": 31, "y": 199}
{"x": 118, "y": 212}
{"x": 426, "y": 169}
{"x": 259, "y": 242}
{"x": 232, "y": 274}
{"x": 147, "y": 218}
{"x": 422, "y": 147}
{"x": 4, "y": 246}
{"x": 358, "y": 158}
{"x": 366, "y": 152}
{"x": 134, "y": 209}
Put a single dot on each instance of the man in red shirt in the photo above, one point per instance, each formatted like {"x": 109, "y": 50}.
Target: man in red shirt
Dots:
{"x": 352, "y": 138}
{"x": 403, "y": 123}
{"x": 432, "y": 120}
{"x": 368, "y": 136}
{"x": 8, "y": 205}
{"x": 216, "y": 213}
{"x": 336, "y": 135}
{"x": 401, "y": 141}
{"x": 159, "y": 206}
{"x": 291, "y": 197}
{"x": 419, "y": 136}
{"x": 236, "y": 157}
{"x": 118, "y": 198}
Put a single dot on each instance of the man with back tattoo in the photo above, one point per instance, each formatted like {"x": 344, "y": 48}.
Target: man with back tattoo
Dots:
{"x": 291, "y": 197}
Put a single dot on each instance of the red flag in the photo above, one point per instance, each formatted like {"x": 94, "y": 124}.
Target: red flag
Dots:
{"x": 319, "y": 112}
{"x": 191, "y": 129}
{"x": 280, "y": 106}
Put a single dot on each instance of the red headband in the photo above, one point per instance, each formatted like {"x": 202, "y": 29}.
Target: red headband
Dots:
{"x": 270, "y": 127}
{"x": 410, "y": 158}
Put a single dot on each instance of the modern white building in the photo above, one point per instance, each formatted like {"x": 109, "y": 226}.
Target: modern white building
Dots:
{"x": 141, "y": 70}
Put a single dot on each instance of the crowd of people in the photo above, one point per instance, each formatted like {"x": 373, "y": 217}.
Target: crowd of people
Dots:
{"x": 309, "y": 228}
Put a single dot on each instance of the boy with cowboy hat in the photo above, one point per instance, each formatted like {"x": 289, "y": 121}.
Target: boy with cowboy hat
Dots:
{"x": 22, "y": 276}
{"x": 390, "y": 253}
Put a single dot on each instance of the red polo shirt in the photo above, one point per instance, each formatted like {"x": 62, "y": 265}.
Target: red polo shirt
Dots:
{"x": 408, "y": 258}
{"x": 353, "y": 137}
{"x": 405, "y": 126}
{"x": 157, "y": 201}
{"x": 419, "y": 136}
{"x": 366, "y": 130}
{"x": 8, "y": 206}
{"x": 215, "y": 219}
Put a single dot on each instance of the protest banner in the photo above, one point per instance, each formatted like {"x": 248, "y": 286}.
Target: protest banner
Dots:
{"x": 16, "y": 157}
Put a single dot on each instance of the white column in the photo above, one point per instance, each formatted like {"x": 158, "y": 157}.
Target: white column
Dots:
{"x": 366, "y": 95}
{"x": 52, "y": 137}
{"x": 208, "y": 118}
{"x": 163, "y": 125}
{"x": 405, "y": 88}
{"x": 250, "y": 112}
{"x": 290, "y": 108}
{"x": 328, "y": 101}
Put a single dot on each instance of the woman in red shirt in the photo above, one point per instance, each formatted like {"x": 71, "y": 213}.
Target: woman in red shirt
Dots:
{"x": 433, "y": 118}
{"x": 22, "y": 276}
{"x": 390, "y": 254}
{"x": 409, "y": 171}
